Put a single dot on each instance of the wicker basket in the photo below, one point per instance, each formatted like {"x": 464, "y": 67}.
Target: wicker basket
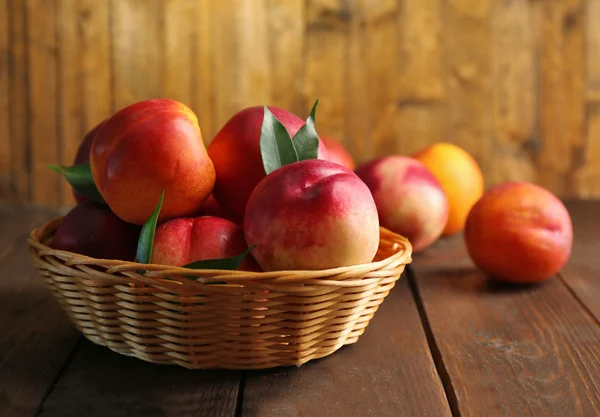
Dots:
{"x": 218, "y": 319}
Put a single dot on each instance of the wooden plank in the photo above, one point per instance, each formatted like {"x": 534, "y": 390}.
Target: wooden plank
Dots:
{"x": 242, "y": 75}
{"x": 508, "y": 350}
{"x": 325, "y": 66}
{"x": 389, "y": 371}
{"x": 137, "y": 52}
{"x": 372, "y": 105}
{"x": 203, "y": 94}
{"x": 514, "y": 89}
{"x": 37, "y": 337}
{"x": 468, "y": 55}
{"x": 421, "y": 116}
{"x": 5, "y": 188}
{"x": 19, "y": 126}
{"x": 582, "y": 271}
{"x": 286, "y": 27}
{"x": 99, "y": 381}
{"x": 587, "y": 176}
{"x": 42, "y": 93}
{"x": 70, "y": 128}
{"x": 561, "y": 102}
{"x": 179, "y": 51}
{"x": 95, "y": 61}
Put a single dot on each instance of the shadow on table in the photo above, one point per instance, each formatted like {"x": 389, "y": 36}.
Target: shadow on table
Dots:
{"x": 100, "y": 382}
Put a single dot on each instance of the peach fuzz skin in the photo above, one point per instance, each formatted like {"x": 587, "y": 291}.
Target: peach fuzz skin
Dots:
{"x": 181, "y": 241}
{"x": 147, "y": 147}
{"x": 336, "y": 152}
{"x": 309, "y": 215}
{"x": 235, "y": 153}
{"x": 409, "y": 199}
{"x": 519, "y": 232}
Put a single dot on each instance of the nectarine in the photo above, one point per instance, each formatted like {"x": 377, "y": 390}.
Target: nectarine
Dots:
{"x": 182, "y": 241}
{"x": 311, "y": 214}
{"x": 409, "y": 199}
{"x": 519, "y": 232}
{"x": 336, "y": 152}
{"x": 93, "y": 230}
{"x": 147, "y": 147}
{"x": 235, "y": 153}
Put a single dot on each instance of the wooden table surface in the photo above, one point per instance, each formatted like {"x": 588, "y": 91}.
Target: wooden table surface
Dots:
{"x": 446, "y": 342}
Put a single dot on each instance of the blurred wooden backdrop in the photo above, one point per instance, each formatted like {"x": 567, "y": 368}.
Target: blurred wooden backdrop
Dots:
{"x": 515, "y": 82}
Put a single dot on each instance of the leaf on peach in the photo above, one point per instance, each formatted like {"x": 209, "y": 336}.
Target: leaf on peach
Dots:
{"x": 146, "y": 239}
{"x": 306, "y": 140}
{"x": 229, "y": 264}
{"x": 276, "y": 146}
{"x": 80, "y": 178}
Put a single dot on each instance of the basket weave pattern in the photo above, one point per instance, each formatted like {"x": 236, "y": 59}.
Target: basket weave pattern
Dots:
{"x": 202, "y": 319}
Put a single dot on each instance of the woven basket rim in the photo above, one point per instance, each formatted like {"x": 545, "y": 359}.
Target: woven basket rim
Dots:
{"x": 252, "y": 320}
{"x": 401, "y": 245}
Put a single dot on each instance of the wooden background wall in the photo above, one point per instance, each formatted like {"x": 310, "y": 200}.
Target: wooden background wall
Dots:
{"x": 515, "y": 82}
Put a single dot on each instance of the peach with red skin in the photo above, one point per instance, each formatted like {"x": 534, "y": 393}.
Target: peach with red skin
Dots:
{"x": 309, "y": 215}
{"x": 409, "y": 199}
{"x": 336, "y": 152}
{"x": 83, "y": 156}
{"x": 235, "y": 153}
{"x": 182, "y": 241}
{"x": 147, "y": 147}
{"x": 93, "y": 230}
{"x": 519, "y": 232}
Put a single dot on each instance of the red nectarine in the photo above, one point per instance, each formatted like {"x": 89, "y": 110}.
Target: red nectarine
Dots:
{"x": 519, "y": 232}
{"x": 311, "y": 214}
{"x": 409, "y": 199}
{"x": 93, "y": 230}
{"x": 147, "y": 147}
{"x": 235, "y": 153}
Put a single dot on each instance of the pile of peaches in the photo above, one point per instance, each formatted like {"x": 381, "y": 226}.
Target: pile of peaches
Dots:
{"x": 270, "y": 194}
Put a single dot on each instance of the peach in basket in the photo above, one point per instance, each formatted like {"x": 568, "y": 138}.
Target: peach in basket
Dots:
{"x": 210, "y": 314}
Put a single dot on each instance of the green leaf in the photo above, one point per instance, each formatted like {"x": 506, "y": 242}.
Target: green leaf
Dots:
{"x": 146, "y": 239}
{"x": 276, "y": 146}
{"x": 230, "y": 264}
{"x": 306, "y": 140}
{"x": 80, "y": 178}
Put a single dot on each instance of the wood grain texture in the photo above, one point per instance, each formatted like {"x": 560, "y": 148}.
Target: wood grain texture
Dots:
{"x": 20, "y": 161}
{"x": 421, "y": 117}
{"x": 506, "y": 350}
{"x": 203, "y": 90}
{"x": 138, "y": 52}
{"x": 467, "y": 52}
{"x": 325, "y": 67}
{"x": 373, "y": 84}
{"x": 516, "y": 83}
{"x": 178, "y": 50}
{"x": 42, "y": 68}
{"x": 99, "y": 381}
{"x": 389, "y": 371}
{"x": 514, "y": 90}
{"x": 70, "y": 117}
{"x": 285, "y": 37}
{"x": 96, "y": 61}
{"x": 36, "y": 337}
{"x": 5, "y": 186}
{"x": 582, "y": 271}
{"x": 239, "y": 48}
{"x": 561, "y": 77}
{"x": 587, "y": 175}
